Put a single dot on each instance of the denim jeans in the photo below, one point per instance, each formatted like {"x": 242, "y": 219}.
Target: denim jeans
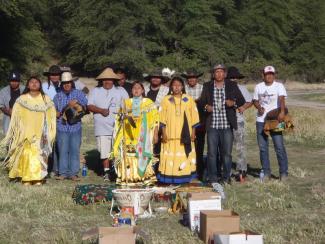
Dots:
{"x": 263, "y": 144}
{"x": 219, "y": 152}
{"x": 69, "y": 153}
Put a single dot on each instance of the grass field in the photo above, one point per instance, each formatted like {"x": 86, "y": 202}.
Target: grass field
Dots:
{"x": 293, "y": 212}
{"x": 313, "y": 97}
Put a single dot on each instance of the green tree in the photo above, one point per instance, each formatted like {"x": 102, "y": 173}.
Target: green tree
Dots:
{"x": 23, "y": 44}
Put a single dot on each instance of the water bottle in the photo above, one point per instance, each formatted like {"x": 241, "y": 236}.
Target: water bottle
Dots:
{"x": 84, "y": 170}
{"x": 261, "y": 175}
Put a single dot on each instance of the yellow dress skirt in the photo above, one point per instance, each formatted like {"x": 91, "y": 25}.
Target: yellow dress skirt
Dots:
{"x": 175, "y": 166}
{"x": 30, "y": 137}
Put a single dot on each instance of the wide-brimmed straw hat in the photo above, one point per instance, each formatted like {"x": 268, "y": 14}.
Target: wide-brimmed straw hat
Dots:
{"x": 233, "y": 73}
{"x": 108, "y": 74}
{"x": 53, "y": 70}
{"x": 191, "y": 73}
{"x": 157, "y": 73}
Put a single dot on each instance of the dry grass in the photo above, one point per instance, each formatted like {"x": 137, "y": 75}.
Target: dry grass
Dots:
{"x": 295, "y": 86}
{"x": 285, "y": 213}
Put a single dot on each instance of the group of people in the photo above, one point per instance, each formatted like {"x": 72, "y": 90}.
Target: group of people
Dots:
{"x": 147, "y": 131}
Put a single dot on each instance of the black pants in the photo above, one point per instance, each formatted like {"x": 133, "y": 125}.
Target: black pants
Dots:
{"x": 199, "y": 148}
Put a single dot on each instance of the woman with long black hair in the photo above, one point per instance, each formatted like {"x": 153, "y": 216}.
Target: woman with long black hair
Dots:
{"x": 178, "y": 118}
{"x": 30, "y": 135}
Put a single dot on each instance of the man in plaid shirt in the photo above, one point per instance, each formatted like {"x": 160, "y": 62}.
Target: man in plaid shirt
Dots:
{"x": 219, "y": 101}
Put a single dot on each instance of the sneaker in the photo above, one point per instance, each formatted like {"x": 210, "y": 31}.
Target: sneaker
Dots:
{"x": 106, "y": 176}
{"x": 241, "y": 176}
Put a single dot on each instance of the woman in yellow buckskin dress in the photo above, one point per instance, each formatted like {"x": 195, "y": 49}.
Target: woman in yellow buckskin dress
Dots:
{"x": 178, "y": 118}
{"x": 136, "y": 130}
{"x": 30, "y": 135}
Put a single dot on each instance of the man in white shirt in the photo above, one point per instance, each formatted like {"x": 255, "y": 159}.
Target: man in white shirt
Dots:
{"x": 52, "y": 86}
{"x": 104, "y": 102}
{"x": 270, "y": 95}
{"x": 194, "y": 89}
{"x": 239, "y": 134}
{"x": 154, "y": 88}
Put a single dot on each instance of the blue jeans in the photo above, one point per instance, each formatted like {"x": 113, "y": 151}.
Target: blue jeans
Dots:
{"x": 263, "y": 144}
{"x": 69, "y": 153}
{"x": 219, "y": 152}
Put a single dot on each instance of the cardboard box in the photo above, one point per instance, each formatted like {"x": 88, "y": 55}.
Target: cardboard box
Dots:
{"x": 112, "y": 235}
{"x": 246, "y": 237}
{"x": 225, "y": 221}
{"x": 201, "y": 201}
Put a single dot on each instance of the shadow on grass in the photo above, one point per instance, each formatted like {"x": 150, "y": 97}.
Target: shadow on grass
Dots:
{"x": 93, "y": 162}
{"x": 254, "y": 172}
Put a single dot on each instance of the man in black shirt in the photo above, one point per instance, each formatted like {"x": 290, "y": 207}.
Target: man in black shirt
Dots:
{"x": 121, "y": 72}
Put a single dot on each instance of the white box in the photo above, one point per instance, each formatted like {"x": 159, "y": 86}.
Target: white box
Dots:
{"x": 238, "y": 238}
{"x": 201, "y": 201}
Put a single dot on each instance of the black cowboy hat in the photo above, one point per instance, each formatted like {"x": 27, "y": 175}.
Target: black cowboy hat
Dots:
{"x": 157, "y": 73}
{"x": 191, "y": 73}
{"x": 53, "y": 70}
{"x": 233, "y": 73}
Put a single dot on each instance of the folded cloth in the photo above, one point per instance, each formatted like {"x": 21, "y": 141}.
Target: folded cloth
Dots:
{"x": 73, "y": 114}
{"x": 273, "y": 125}
{"x": 274, "y": 114}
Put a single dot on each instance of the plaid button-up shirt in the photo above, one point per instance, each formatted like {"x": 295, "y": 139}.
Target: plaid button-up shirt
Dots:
{"x": 194, "y": 92}
{"x": 219, "y": 116}
{"x": 61, "y": 100}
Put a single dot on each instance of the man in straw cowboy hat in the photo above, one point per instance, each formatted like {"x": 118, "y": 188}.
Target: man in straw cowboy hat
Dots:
{"x": 239, "y": 134}
{"x": 52, "y": 86}
{"x": 270, "y": 95}
{"x": 68, "y": 133}
{"x": 194, "y": 89}
{"x": 105, "y": 101}
{"x": 79, "y": 85}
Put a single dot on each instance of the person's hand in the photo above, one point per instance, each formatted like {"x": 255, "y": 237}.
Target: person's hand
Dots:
{"x": 9, "y": 111}
{"x": 73, "y": 103}
{"x": 230, "y": 103}
{"x": 209, "y": 108}
{"x": 105, "y": 112}
{"x": 241, "y": 109}
{"x": 281, "y": 116}
{"x": 193, "y": 137}
{"x": 261, "y": 111}
{"x": 164, "y": 138}
{"x": 58, "y": 114}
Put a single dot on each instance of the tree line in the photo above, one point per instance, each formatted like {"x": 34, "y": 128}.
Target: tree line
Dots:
{"x": 143, "y": 34}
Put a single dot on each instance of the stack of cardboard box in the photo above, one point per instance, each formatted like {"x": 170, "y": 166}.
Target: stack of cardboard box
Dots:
{"x": 215, "y": 225}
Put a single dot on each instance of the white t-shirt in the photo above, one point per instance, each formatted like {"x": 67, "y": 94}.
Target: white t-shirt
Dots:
{"x": 268, "y": 97}
{"x": 111, "y": 99}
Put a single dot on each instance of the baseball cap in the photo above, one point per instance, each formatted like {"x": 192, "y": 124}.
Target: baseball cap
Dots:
{"x": 269, "y": 69}
{"x": 14, "y": 76}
